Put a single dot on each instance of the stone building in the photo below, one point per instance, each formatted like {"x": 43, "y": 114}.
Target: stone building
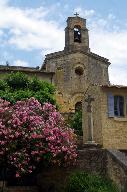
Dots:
{"x": 77, "y": 72}
{"x": 76, "y": 67}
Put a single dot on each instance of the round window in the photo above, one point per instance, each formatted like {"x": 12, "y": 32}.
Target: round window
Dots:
{"x": 79, "y": 70}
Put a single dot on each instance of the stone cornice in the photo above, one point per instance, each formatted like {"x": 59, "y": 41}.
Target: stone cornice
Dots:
{"x": 110, "y": 86}
{"x": 55, "y": 54}
{"x": 99, "y": 57}
{"x": 64, "y": 52}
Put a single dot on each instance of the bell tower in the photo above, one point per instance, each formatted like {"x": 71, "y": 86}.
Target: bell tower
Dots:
{"x": 76, "y": 34}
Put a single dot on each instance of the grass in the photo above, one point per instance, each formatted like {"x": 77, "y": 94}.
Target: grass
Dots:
{"x": 84, "y": 182}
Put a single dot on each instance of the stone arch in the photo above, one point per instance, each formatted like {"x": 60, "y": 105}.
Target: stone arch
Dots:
{"x": 77, "y": 33}
{"x": 76, "y": 98}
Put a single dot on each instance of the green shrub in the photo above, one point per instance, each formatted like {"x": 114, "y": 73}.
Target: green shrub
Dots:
{"x": 38, "y": 85}
{"x": 34, "y": 84}
{"x": 76, "y": 122}
{"x": 83, "y": 182}
{"x": 3, "y": 85}
{"x": 17, "y": 80}
{"x": 17, "y": 86}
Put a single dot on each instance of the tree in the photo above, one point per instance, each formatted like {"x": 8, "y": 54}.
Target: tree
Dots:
{"x": 76, "y": 122}
{"x": 30, "y": 133}
{"x": 17, "y": 86}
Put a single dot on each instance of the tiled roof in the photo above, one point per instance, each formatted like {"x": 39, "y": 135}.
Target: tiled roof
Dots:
{"x": 113, "y": 86}
{"x": 23, "y": 69}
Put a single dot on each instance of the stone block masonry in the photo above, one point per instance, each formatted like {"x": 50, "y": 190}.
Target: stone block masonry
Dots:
{"x": 92, "y": 160}
{"x": 89, "y": 160}
{"x": 117, "y": 168}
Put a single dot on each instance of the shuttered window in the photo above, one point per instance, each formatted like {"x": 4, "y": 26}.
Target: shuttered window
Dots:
{"x": 116, "y": 105}
{"x": 110, "y": 105}
{"x": 126, "y": 105}
{"x": 119, "y": 106}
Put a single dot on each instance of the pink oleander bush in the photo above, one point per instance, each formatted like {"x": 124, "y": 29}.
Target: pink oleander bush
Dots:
{"x": 30, "y": 133}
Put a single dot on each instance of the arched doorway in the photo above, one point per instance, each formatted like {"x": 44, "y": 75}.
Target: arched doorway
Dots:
{"x": 78, "y": 106}
{"x": 77, "y": 119}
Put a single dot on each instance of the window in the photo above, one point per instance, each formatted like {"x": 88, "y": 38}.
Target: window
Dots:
{"x": 79, "y": 70}
{"x": 77, "y": 33}
{"x": 119, "y": 106}
{"x": 116, "y": 105}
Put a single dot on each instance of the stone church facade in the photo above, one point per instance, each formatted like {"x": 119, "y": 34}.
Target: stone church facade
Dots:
{"x": 76, "y": 67}
{"x": 77, "y": 73}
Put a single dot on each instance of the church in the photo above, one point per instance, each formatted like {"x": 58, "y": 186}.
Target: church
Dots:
{"x": 77, "y": 72}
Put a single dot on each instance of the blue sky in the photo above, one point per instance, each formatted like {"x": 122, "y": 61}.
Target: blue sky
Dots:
{"x": 29, "y": 29}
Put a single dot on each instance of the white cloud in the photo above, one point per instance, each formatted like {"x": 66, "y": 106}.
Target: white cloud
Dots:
{"x": 5, "y": 56}
{"x": 1, "y": 32}
{"x": 111, "y": 16}
{"x": 20, "y": 63}
{"x": 37, "y": 13}
{"x": 3, "y": 3}
{"x": 84, "y": 13}
{"x": 112, "y": 45}
{"x": 118, "y": 75}
{"x": 29, "y": 30}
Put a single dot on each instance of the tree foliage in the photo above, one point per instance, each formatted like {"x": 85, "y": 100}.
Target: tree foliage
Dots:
{"x": 17, "y": 86}
{"x": 30, "y": 133}
{"x": 76, "y": 122}
{"x": 17, "y": 81}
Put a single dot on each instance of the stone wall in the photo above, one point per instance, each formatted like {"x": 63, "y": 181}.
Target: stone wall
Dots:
{"x": 54, "y": 178}
{"x": 117, "y": 168}
{"x": 92, "y": 160}
{"x": 20, "y": 189}
{"x": 89, "y": 160}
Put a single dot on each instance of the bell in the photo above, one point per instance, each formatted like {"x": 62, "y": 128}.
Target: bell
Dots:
{"x": 76, "y": 38}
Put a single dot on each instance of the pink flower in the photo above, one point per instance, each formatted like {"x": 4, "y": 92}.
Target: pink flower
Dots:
{"x": 29, "y": 130}
{"x": 17, "y": 175}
